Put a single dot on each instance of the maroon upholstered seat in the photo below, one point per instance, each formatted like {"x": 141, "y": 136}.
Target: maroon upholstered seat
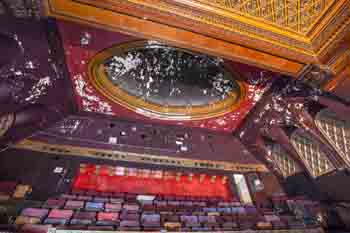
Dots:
{"x": 107, "y": 216}
{"x": 68, "y": 197}
{"x": 78, "y": 192}
{"x": 101, "y": 199}
{"x": 130, "y": 197}
{"x": 94, "y": 206}
{"x": 118, "y": 195}
{"x": 150, "y": 220}
{"x": 92, "y": 193}
{"x": 207, "y": 219}
{"x": 35, "y": 212}
{"x": 35, "y": 228}
{"x": 113, "y": 207}
{"x": 127, "y": 225}
{"x": 74, "y": 205}
{"x": 190, "y": 221}
{"x": 60, "y": 214}
{"x": 80, "y": 222}
{"x": 170, "y": 218}
{"x": 115, "y": 200}
{"x": 84, "y": 198}
{"x": 54, "y": 203}
{"x": 229, "y": 226}
{"x": 56, "y": 221}
{"x": 202, "y": 229}
{"x": 131, "y": 207}
{"x": 84, "y": 215}
{"x": 129, "y": 216}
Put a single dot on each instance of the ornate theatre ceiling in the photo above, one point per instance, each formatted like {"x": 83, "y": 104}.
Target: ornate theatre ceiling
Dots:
{"x": 123, "y": 76}
{"x": 277, "y": 35}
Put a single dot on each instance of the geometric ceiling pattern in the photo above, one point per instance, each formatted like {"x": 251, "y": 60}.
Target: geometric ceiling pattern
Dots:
{"x": 296, "y": 15}
{"x": 278, "y": 35}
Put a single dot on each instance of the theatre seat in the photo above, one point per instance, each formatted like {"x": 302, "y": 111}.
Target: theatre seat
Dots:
{"x": 107, "y": 216}
{"x": 85, "y": 215}
{"x": 68, "y": 196}
{"x": 172, "y": 226}
{"x": 56, "y": 221}
{"x": 263, "y": 225}
{"x": 125, "y": 215}
{"x": 60, "y": 214}
{"x": 190, "y": 221}
{"x": 227, "y": 226}
{"x": 84, "y": 198}
{"x": 74, "y": 205}
{"x": 20, "y": 220}
{"x": 35, "y": 228}
{"x": 94, "y": 206}
{"x": 131, "y": 208}
{"x": 201, "y": 229}
{"x": 113, "y": 207}
{"x": 279, "y": 225}
{"x": 35, "y": 212}
{"x": 130, "y": 197}
{"x": 150, "y": 220}
{"x": 127, "y": 225}
{"x": 114, "y": 200}
{"x": 169, "y": 217}
{"x": 226, "y": 210}
{"x": 54, "y": 203}
{"x": 101, "y": 199}
{"x": 80, "y": 222}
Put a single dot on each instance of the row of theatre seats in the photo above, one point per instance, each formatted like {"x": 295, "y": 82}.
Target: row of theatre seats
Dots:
{"x": 132, "y": 212}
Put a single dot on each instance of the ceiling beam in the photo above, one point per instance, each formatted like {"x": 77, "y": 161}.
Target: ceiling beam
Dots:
{"x": 115, "y": 21}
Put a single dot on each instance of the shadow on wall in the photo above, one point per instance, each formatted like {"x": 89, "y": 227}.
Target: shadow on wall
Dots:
{"x": 336, "y": 185}
{"x": 301, "y": 184}
{"x": 9, "y": 50}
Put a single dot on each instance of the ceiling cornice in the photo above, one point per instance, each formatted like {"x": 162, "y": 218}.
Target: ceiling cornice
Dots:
{"x": 219, "y": 28}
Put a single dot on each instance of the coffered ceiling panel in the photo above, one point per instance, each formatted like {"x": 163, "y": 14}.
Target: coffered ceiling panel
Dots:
{"x": 298, "y": 15}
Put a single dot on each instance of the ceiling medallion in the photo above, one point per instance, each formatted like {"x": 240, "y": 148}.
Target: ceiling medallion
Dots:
{"x": 165, "y": 82}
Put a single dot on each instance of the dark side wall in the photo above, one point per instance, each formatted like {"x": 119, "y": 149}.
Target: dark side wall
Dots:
{"x": 301, "y": 184}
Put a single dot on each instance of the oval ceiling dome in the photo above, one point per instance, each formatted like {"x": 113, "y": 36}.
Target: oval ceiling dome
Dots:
{"x": 165, "y": 82}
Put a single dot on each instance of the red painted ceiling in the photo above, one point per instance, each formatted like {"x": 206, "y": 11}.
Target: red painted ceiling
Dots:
{"x": 90, "y": 100}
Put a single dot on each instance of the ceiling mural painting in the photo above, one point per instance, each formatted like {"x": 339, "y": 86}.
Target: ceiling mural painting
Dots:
{"x": 219, "y": 100}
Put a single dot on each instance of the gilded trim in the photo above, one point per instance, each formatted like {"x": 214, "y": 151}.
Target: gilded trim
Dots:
{"x": 345, "y": 155}
{"x": 306, "y": 148}
{"x": 134, "y": 157}
{"x": 104, "y": 85}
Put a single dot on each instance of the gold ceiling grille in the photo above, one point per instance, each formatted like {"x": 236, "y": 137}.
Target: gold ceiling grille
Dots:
{"x": 296, "y": 15}
{"x": 287, "y": 165}
{"x": 312, "y": 155}
{"x": 336, "y": 131}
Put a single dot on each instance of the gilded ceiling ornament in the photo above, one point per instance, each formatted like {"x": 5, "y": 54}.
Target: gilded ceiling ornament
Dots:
{"x": 165, "y": 82}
